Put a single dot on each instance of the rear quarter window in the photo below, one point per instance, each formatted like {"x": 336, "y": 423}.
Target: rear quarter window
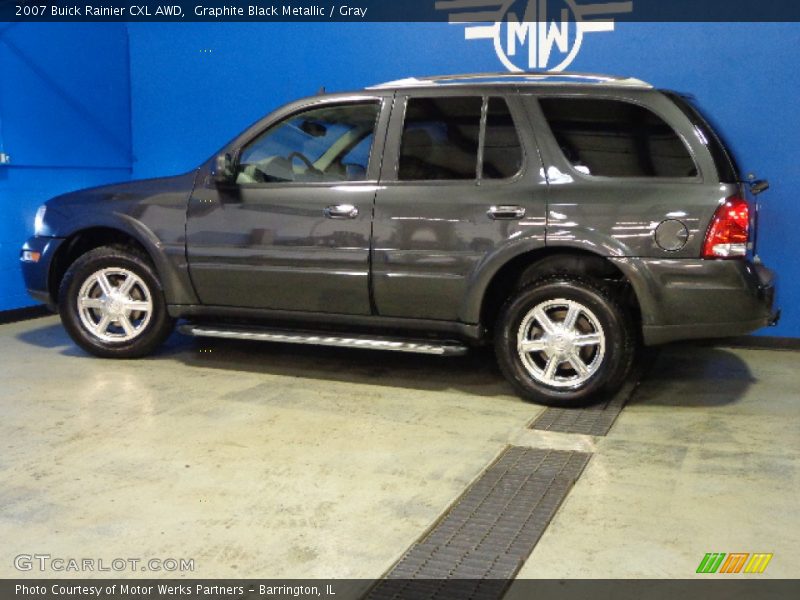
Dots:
{"x": 613, "y": 138}
{"x": 724, "y": 159}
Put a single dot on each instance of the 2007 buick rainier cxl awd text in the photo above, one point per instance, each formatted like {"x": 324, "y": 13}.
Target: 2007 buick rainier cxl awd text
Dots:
{"x": 565, "y": 218}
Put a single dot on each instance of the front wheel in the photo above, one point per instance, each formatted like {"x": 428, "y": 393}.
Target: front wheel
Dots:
{"x": 563, "y": 341}
{"x": 112, "y": 305}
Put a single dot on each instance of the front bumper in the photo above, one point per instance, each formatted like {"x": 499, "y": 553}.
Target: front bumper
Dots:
{"x": 37, "y": 273}
{"x": 690, "y": 299}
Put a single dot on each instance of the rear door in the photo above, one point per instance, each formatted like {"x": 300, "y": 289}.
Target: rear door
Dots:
{"x": 461, "y": 177}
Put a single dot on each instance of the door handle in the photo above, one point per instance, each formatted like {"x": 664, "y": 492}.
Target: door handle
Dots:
{"x": 341, "y": 211}
{"x": 506, "y": 213}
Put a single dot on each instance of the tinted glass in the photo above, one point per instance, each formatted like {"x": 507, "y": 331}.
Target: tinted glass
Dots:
{"x": 323, "y": 144}
{"x": 440, "y": 139}
{"x": 724, "y": 159}
{"x": 502, "y": 153}
{"x": 611, "y": 138}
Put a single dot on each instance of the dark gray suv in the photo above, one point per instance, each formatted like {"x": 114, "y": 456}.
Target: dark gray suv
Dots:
{"x": 566, "y": 218}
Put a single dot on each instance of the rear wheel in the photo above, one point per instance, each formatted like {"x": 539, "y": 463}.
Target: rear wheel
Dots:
{"x": 112, "y": 304}
{"x": 564, "y": 341}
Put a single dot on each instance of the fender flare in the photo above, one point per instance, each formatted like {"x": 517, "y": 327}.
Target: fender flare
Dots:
{"x": 173, "y": 274}
{"x": 589, "y": 242}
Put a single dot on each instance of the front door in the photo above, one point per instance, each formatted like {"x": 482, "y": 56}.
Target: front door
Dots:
{"x": 293, "y": 233}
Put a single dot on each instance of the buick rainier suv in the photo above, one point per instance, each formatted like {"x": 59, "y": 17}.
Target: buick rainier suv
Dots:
{"x": 567, "y": 219}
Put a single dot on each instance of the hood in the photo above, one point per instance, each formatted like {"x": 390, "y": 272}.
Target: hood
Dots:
{"x": 121, "y": 192}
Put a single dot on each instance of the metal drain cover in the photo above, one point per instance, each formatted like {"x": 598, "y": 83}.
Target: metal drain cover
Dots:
{"x": 598, "y": 419}
{"x": 489, "y": 532}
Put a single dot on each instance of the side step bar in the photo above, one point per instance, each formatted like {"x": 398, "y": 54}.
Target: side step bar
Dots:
{"x": 370, "y": 342}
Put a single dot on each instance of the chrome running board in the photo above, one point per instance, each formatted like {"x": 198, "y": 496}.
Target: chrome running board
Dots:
{"x": 369, "y": 342}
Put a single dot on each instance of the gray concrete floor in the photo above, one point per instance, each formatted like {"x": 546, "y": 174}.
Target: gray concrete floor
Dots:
{"x": 253, "y": 459}
{"x": 261, "y": 460}
{"x": 705, "y": 459}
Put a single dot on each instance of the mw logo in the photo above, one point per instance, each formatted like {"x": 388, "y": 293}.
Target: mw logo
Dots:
{"x": 737, "y": 562}
{"x": 533, "y": 34}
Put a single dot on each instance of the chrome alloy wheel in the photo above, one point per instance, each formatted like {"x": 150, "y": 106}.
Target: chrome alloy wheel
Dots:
{"x": 115, "y": 305}
{"x": 561, "y": 343}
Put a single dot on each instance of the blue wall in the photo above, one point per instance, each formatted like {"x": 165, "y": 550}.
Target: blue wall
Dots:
{"x": 194, "y": 86}
{"x": 65, "y": 122}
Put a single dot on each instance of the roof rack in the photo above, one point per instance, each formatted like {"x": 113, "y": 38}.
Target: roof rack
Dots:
{"x": 521, "y": 78}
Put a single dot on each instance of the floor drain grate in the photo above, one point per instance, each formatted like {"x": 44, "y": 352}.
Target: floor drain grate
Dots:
{"x": 489, "y": 532}
{"x": 593, "y": 420}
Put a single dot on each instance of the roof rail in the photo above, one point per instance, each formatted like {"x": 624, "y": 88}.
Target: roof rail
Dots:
{"x": 521, "y": 78}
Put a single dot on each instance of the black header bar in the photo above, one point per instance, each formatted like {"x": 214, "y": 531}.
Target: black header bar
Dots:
{"x": 482, "y": 11}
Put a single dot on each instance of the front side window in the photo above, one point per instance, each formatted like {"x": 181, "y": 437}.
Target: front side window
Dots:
{"x": 327, "y": 144}
{"x": 612, "y": 138}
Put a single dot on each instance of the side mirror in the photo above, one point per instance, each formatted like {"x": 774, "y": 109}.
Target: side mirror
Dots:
{"x": 222, "y": 170}
{"x": 759, "y": 186}
{"x": 355, "y": 172}
{"x": 315, "y": 130}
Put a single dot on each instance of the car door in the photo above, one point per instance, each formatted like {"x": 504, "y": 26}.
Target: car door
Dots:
{"x": 461, "y": 178}
{"x": 292, "y": 232}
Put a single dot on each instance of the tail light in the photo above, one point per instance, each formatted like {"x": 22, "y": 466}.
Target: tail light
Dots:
{"x": 729, "y": 232}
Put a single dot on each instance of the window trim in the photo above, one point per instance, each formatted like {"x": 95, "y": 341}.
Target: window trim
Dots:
{"x": 378, "y": 101}
{"x": 479, "y": 180}
{"x": 699, "y": 178}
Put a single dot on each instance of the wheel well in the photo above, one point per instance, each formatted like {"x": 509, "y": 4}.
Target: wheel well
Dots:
{"x": 82, "y": 242}
{"x": 534, "y": 265}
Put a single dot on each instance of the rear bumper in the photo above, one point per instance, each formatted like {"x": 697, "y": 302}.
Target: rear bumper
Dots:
{"x": 37, "y": 274}
{"x": 691, "y": 299}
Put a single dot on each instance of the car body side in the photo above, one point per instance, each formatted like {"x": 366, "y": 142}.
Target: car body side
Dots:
{"x": 434, "y": 260}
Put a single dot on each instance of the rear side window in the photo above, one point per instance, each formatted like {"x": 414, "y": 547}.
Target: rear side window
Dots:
{"x": 442, "y": 140}
{"x": 612, "y": 138}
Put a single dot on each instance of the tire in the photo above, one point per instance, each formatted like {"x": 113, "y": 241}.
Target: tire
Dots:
{"x": 112, "y": 304}
{"x": 572, "y": 366}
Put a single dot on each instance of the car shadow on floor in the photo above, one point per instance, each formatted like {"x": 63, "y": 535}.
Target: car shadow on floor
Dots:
{"x": 676, "y": 375}
{"x": 476, "y": 373}
{"x": 49, "y": 333}
{"x": 693, "y": 374}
